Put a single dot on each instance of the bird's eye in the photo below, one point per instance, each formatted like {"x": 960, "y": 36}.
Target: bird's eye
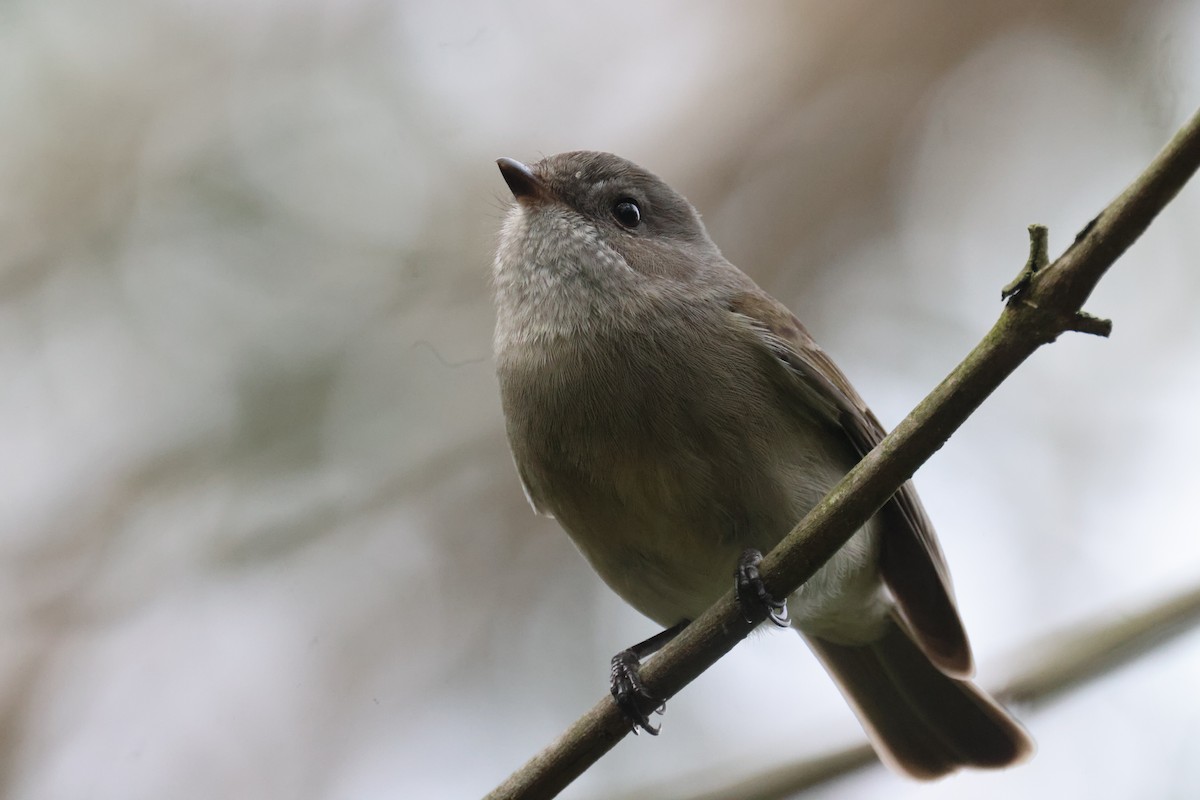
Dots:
{"x": 627, "y": 213}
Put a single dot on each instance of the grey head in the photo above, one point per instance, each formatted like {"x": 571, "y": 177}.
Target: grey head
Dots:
{"x": 608, "y": 204}
{"x": 595, "y": 241}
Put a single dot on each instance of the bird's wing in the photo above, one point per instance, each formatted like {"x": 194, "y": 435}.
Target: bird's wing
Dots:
{"x": 911, "y": 562}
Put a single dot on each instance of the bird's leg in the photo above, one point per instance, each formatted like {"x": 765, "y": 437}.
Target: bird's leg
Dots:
{"x": 625, "y": 680}
{"x": 749, "y": 588}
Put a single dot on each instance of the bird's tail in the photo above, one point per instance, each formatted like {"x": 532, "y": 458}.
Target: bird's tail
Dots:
{"x": 920, "y": 720}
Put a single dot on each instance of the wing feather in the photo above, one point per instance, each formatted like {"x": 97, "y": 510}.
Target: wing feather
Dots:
{"x": 911, "y": 563}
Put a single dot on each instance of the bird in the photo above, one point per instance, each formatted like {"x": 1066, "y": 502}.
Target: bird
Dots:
{"x": 677, "y": 421}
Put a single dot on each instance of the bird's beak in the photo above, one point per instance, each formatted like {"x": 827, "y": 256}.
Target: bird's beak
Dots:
{"x": 525, "y": 186}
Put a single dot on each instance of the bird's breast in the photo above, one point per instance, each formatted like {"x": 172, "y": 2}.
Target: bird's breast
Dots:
{"x": 661, "y": 464}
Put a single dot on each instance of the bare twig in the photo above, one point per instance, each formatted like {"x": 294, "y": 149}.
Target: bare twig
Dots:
{"x": 1089, "y": 651}
{"x": 1040, "y": 309}
{"x": 1067, "y": 660}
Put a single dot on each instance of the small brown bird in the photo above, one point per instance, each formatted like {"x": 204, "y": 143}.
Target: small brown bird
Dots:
{"x": 674, "y": 417}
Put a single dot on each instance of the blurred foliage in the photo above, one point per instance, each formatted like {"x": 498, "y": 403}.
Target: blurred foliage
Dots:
{"x": 261, "y": 534}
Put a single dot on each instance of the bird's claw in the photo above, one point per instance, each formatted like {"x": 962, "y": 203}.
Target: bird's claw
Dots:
{"x": 749, "y": 588}
{"x": 634, "y": 700}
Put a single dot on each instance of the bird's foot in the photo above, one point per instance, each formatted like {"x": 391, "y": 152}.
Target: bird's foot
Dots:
{"x": 750, "y": 589}
{"x": 632, "y": 696}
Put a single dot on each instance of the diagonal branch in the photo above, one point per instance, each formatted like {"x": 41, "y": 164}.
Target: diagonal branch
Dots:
{"x": 1071, "y": 659}
{"x": 1044, "y": 304}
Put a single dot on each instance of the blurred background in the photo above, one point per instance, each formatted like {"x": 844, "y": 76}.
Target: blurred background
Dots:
{"x": 261, "y": 536}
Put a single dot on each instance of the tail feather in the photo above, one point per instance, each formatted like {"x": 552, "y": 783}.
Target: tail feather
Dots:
{"x": 923, "y": 722}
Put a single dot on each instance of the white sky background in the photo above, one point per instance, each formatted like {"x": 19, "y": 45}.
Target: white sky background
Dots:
{"x": 261, "y": 535}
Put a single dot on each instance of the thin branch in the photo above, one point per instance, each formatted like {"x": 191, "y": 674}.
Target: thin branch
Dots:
{"x": 1039, "y": 257}
{"x": 1075, "y": 657}
{"x": 1093, "y": 650}
{"x": 1037, "y": 313}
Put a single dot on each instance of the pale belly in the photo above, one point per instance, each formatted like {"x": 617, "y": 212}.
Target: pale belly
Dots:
{"x": 663, "y": 478}
{"x": 669, "y": 546}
